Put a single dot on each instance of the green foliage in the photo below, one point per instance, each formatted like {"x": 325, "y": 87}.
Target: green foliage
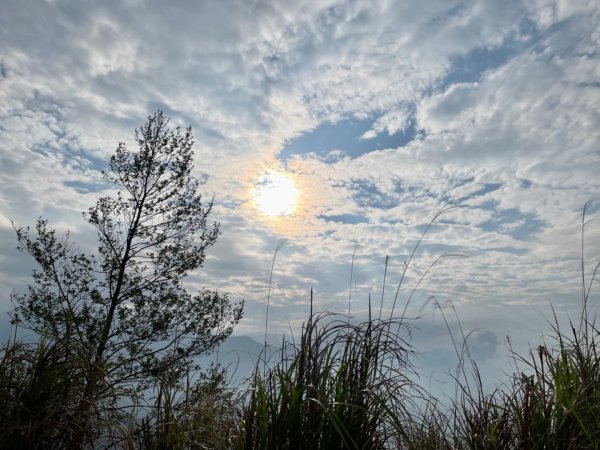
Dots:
{"x": 552, "y": 402}
{"x": 40, "y": 387}
{"x": 190, "y": 414}
{"x": 343, "y": 386}
{"x": 124, "y": 308}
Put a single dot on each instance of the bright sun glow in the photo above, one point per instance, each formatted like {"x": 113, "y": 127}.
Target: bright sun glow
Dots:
{"x": 276, "y": 194}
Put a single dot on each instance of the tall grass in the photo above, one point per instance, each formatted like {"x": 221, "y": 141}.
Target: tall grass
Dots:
{"x": 40, "y": 387}
{"x": 552, "y": 401}
{"x": 188, "y": 413}
{"x": 342, "y": 386}
{"x": 346, "y": 386}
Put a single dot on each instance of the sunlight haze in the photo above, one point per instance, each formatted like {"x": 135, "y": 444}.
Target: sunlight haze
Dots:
{"x": 275, "y": 194}
{"x": 341, "y": 128}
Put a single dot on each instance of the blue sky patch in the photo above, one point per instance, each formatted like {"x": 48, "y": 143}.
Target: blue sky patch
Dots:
{"x": 511, "y": 250}
{"x": 513, "y": 222}
{"x": 85, "y": 188}
{"x": 526, "y": 184}
{"x": 366, "y": 195}
{"x": 350, "y": 219}
{"x": 345, "y": 135}
{"x": 470, "y": 68}
{"x": 486, "y": 189}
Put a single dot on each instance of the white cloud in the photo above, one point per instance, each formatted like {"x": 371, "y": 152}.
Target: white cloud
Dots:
{"x": 249, "y": 77}
{"x": 392, "y": 122}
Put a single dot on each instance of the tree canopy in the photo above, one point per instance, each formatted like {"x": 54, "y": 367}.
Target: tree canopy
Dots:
{"x": 125, "y": 307}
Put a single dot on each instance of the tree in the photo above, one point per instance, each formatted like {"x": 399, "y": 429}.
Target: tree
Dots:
{"x": 125, "y": 307}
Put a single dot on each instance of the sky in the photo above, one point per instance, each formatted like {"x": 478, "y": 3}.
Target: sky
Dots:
{"x": 380, "y": 112}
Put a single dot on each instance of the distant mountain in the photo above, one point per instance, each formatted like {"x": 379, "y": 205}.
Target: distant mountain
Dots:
{"x": 239, "y": 354}
{"x": 240, "y": 344}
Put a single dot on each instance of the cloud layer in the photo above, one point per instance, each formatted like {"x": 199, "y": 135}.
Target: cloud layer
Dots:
{"x": 383, "y": 112}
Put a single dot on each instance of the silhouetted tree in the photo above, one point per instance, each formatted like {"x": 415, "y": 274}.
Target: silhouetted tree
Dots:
{"x": 124, "y": 307}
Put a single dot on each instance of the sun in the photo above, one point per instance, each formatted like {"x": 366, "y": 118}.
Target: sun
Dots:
{"x": 276, "y": 194}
